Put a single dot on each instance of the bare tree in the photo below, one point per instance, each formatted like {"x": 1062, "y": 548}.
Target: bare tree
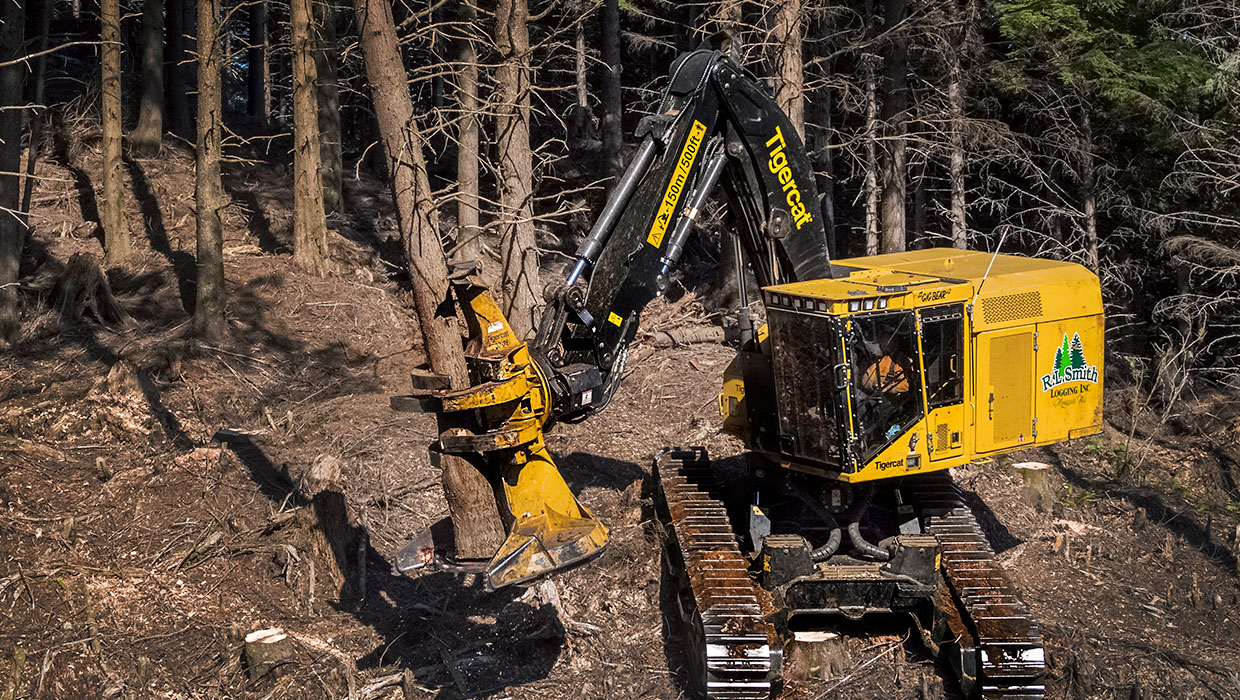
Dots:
{"x": 477, "y": 527}
{"x": 955, "y": 101}
{"x": 893, "y": 168}
{"x": 258, "y": 77}
{"x": 612, "y": 123}
{"x": 178, "y": 84}
{"x": 468, "y": 234}
{"x": 789, "y": 68}
{"x": 309, "y": 222}
{"x": 1088, "y": 184}
{"x": 326, "y": 63}
{"x": 147, "y": 137}
{"x": 522, "y": 291}
{"x": 12, "y": 230}
{"x": 209, "y": 321}
{"x": 116, "y": 243}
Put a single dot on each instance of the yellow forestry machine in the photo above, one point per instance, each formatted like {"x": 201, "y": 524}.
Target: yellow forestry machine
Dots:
{"x": 869, "y": 379}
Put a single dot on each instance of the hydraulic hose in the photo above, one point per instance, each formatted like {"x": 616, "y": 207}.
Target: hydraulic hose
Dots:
{"x": 832, "y": 545}
{"x": 859, "y": 543}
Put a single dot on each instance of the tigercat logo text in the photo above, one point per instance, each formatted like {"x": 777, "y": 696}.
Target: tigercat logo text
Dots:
{"x": 778, "y": 165}
{"x": 676, "y": 187}
{"x": 893, "y": 464}
{"x": 1070, "y": 366}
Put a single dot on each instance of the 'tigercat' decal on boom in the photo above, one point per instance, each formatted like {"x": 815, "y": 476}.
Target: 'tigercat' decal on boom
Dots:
{"x": 779, "y": 166}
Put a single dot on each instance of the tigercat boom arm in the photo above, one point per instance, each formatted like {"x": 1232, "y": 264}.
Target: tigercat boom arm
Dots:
{"x": 716, "y": 128}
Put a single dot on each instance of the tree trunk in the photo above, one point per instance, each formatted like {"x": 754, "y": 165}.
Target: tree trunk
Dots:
{"x": 895, "y": 108}
{"x": 115, "y": 228}
{"x": 44, "y": 19}
{"x": 522, "y": 292}
{"x": 258, "y": 84}
{"x": 471, "y": 500}
{"x": 209, "y": 321}
{"x": 12, "y": 231}
{"x": 468, "y": 241}
{"x": 149, "y": 134}
{"x": 789, "y": 68}
{"x": 825, "y": 166}
{"x": 177, "y": 87}
{"x": 955, "y": 102}
{"x": 1089, "y": 183}
{"x": 309, "y": 224}
{"x": 612, "y": 122}
{"x": 871, "y": 157}
{"x": 579, "y": 52}
{"x": 325, "y": 60}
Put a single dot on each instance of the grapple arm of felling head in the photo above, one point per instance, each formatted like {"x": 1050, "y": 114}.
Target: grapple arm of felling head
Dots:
{"x": 507, "y": 405}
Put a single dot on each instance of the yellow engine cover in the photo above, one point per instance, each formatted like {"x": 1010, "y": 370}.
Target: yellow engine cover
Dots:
{"x": 1025, "y": 361}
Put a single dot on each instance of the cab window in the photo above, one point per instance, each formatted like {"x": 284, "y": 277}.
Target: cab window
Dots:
{"x": 886, "y": 384}
{"x": 942, "y": 340}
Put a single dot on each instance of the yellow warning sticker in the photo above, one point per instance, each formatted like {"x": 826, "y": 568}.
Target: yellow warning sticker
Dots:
{"x": 676, "y": 187}
{"x": 615, "y": 318}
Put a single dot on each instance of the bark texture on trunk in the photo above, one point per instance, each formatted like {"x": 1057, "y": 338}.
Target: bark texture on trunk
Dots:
{"x": 258, "y": 88}
{"x": 44, "y": 21}
{"x": 468, "y": 241}
{"x": 871, "y": 158}
{"x": 327, "y": 65}
{"x": 789, "y": 68}
{"x": 209, "y": 321}
{"x": 612, "y": 123}
{"x": 1089, "y": 184}
{"x": 825, "y": 165}
{"x": 471, "y": 500}
{"x": 12, "y": 231}
{"x": 895, "y": 108}
{"x": 956, "y": 159}
{"x": 309, "y": 222}
{"x": 149, "y": 134}
{"x": 112, "y": 210}
{"x": 178, "y": 86}
{"x": 522, "y": 291}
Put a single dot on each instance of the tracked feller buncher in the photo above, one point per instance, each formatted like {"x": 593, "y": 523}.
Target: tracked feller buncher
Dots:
{"x": 869, "y": 379}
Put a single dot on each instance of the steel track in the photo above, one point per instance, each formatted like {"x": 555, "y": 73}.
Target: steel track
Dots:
{"x": 732, "y": 649}
{"x": 998, "y": 637}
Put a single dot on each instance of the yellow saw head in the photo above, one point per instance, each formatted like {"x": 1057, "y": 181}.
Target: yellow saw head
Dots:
{"x": 508, "y": 403}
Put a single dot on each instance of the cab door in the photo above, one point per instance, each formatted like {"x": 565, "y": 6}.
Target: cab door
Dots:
{"x": 1003, "y": 398}
{"x": 942, "y": 352}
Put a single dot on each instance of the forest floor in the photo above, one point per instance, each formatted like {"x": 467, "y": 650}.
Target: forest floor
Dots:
{"x": 145, "y": 502}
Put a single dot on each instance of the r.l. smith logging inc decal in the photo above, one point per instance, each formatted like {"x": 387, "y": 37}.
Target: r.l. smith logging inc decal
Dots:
{"x": 1070, "y": 365}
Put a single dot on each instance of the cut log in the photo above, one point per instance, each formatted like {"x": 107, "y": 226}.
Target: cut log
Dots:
{"x": 266, "y": 649}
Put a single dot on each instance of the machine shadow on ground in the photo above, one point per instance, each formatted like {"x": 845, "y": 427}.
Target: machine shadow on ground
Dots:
{"x": 457, "y": 639}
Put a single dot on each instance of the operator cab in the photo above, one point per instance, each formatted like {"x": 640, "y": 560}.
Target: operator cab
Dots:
{"x": 909, "y": 363}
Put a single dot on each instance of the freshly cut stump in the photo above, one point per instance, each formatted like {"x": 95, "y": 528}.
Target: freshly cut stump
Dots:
{"x": 266, "y": 649}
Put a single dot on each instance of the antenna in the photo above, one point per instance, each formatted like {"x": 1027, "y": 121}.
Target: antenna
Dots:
{"x": 994, "y": 255}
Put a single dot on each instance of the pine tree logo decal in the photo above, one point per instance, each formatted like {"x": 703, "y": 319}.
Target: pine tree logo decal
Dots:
{"x": 1070, "y": 365}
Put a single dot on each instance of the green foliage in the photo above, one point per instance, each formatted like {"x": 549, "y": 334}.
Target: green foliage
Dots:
{"x": 1110, "y": 48}
{"x": 1078, "y": 497}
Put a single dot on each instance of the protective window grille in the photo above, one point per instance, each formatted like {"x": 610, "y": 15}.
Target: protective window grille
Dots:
{"x": 1011, "y": 307}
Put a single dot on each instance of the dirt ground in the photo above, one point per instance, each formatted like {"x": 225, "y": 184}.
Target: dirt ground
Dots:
{"x": 147, "y": 521}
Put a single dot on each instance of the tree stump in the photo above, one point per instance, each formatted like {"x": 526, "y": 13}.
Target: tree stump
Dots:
{"x": 82, "y": 290}
{"x": 328, "y": 532}
{"x": 266, "y": 649}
